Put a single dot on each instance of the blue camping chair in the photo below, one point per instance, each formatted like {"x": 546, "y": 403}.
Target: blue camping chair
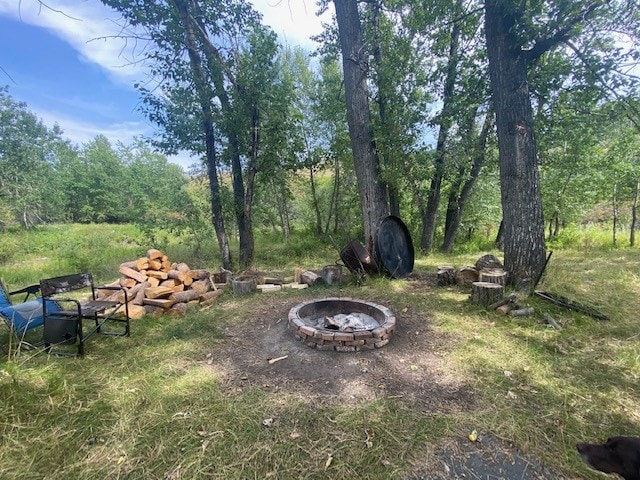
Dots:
{"x": 20, "y": 318}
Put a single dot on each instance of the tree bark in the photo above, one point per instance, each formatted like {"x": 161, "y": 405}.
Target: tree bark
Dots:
{"x": 524, "y": 245}
{"x": 372, "y": 191}
{"x": 205, "y": 97}
{"x": 634, "y": 214}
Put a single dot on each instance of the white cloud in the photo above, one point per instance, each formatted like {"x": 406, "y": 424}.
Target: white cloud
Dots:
{"x": 295, "y": 21}
{"x": 88, "y": 27}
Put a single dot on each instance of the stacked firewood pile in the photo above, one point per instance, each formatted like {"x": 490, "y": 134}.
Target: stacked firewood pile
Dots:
{"x": 156, "y": 286}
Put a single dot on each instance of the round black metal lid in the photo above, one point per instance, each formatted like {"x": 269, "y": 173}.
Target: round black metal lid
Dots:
{"x": 394, "y": 247}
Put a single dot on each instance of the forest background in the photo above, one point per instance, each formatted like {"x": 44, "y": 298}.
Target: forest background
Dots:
{"x": 275, "y": 143}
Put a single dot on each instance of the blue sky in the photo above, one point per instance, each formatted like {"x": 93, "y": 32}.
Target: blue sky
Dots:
{"x": 56, "y": 62}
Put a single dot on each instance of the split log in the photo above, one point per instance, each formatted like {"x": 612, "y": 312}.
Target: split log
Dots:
{"x": 446, "y": 275}
{"x": 157, "y": 274}
{"x": 142, "y": 263}
{"x": 131, "y": 273}
{"x": 177, "y": 274}
{"x": 153, "y": 254}
{"x": 297, "y": 275}
{"x": 139, "y": 294}
{"x": 210, "y": 297}
{"x": 504, "y": 301}
{"x": 155, "y": 264}
{"x": 465, "y": 276}
{"x": 127, "y": 282}
{"x": 158, "y": 302}
{"x": 493, "y": 275}
{"x": 184, "y": 297}
{"x": 268, "y": 287}
{"x": 183, "y": 267}
{"x": 170, "y": 283}
{"x": 135, "y": 311}
{"x": 157, "y": 292}
{"x": 504, "y": 309}
{"x": 177, "y": 310}
{"x": 166, "y": 266}
{"x": 201, "y": 286}
{"x": 154, "y": 311}
{"x": 485, "y": 293}
{"x": 154, "y": 282}
{"x": 309, "y": 277}
{"x": 199, "y": 274}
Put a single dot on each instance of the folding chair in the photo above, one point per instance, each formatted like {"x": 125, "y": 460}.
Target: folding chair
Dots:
{"x": 65, "y": 326}
{"x": 22, "y": 317}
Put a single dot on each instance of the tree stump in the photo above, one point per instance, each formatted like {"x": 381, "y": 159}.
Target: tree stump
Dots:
{"x": 488, "y": 262}
{"x": 493, "y": 275}
{"x": 465, "y": 276}
{"x": 446, "y": 275}
{"x": 243, "y": 285}
{"x": 332, "y": 274}
{"x": 485, "y": 293}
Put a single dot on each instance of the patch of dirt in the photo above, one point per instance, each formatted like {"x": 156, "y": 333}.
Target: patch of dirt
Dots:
{"x": 412, "y": 368}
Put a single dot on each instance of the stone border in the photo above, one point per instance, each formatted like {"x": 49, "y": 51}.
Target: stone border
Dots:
{"x": 325, "y": 339}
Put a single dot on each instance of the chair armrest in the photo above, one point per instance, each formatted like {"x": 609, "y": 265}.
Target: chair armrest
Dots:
{"x": 62, "y": 300}
{"x": 30, "y": 290}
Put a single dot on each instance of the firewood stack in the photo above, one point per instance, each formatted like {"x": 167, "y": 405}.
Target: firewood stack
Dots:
{"x": 156, "y": 286}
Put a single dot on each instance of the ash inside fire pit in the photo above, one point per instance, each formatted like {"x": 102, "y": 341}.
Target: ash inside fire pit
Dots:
{"x": 342, "y": 324}
{"x": 348, "y": 322}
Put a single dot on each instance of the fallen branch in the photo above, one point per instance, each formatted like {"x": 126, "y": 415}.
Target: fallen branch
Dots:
{"x": 277, "y": 359}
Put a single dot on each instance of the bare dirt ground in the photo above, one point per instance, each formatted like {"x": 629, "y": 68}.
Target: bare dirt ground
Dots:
{"x": 412, "y": 368}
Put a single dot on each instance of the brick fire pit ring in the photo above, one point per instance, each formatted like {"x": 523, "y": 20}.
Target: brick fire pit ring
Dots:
{"x": 342, "y": 324}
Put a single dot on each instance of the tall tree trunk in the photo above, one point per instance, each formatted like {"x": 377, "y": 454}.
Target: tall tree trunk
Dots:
{"x": 634, "y": 214}
{"x": 614, "y": 201}
{"x": 458, "y": 199}
{"x": 247, "y": 243}
{"x": 205, "y": 97}
{"x": 524, "y": 245}
{"x": 218, "y": 70}
{"x": 433, "y": 199}
{"x": 373, "y": 194}
{"x": 314, "y": 200}
{"x": 381, "y": 81}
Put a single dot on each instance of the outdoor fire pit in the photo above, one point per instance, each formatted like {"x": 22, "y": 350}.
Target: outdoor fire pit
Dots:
{"x": 342, "y": 324}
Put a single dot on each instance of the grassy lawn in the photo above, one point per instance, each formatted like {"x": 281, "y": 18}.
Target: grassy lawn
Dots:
{"x": 160, "y": 403}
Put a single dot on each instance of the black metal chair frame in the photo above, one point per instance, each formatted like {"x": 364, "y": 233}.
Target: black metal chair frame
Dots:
{"x": 66, "y": 326}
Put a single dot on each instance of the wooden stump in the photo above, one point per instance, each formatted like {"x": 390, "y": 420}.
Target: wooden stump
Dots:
{"x": 446, "y": 275}
{"x": 466, "y": 276}
{"x": 243, "y": 286}
{"x": 332, "y": 274}
{"x": 485, "y": 293}
{"x": 493, "y": 275}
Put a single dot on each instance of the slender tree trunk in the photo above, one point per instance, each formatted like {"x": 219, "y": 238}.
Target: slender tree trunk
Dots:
{"x": 634, "y": 214}
{"x": 614, "y": 202}
{"x": 333, "y": 207}
{"x": 372, "y": 191}
{"x": 458, "y": 200}
{"x": 524, "y": 245}
{"x": 247, "y": 243}
{"x": 314, "y": 199}
{"x": 381, "y": 81}
{"x": 433, "y": 199}
{"x": 205, "y": 97}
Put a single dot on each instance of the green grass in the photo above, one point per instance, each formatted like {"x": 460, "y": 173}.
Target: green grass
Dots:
{"x": 150, "y": 406}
